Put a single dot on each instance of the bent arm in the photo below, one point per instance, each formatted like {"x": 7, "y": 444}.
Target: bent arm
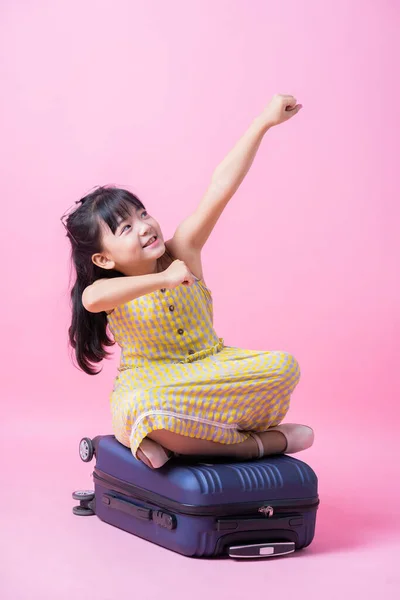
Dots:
{"x": 106, "y": 294}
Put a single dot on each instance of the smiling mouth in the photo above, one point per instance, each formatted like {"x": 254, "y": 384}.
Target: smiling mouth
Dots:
{"x": 151, "y": 241}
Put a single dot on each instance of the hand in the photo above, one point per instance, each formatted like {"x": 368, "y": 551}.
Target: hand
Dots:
{"x": 178, "y": 273}
{"x": 280, "y": 109}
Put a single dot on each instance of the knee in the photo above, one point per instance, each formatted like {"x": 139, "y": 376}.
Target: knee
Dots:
{"x": 290, "y": 368}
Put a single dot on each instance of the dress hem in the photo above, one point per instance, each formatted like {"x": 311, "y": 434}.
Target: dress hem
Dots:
{"x": 193, "y": 427}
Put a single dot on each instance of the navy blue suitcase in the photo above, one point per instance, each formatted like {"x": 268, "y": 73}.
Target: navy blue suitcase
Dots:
{"x": 261, "y": 508}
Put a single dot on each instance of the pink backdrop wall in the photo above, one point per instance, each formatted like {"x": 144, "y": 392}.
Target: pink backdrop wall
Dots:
{"x": 151, "y": 96}
{"x": 143, "y": 99}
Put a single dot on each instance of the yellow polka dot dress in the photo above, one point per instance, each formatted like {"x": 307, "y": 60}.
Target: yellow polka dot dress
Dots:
{"x": 175, "y": 373}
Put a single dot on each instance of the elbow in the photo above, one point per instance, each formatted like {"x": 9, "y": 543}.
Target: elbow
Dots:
{"x": 88, "y": 301}
{"x": 93, "y": 301}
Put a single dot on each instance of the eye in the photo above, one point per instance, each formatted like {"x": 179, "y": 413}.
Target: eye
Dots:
{"x": 123, "y": 229}
{"x": 145, "y": 213}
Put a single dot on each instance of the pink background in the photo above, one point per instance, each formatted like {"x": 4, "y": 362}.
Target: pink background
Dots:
{"x": 151, "y": 96}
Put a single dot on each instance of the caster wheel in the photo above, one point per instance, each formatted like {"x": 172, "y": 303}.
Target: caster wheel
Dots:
{"x": 82, "y": 511}
{"x": 86, "y": 450}
{"x": 83, "y": 495}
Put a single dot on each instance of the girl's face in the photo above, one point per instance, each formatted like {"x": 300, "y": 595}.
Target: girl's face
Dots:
{"x": 132, "y": 249}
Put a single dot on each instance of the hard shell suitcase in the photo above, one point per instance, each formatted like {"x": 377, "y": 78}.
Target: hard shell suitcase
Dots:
{"x": 260, "y": 508}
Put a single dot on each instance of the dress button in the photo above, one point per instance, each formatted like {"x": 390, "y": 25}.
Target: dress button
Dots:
{"x": 163, "y": 290}
{"x": 191, "y": 351}
{"x": 172, "y": 308}
{"x": 180, "y": 331}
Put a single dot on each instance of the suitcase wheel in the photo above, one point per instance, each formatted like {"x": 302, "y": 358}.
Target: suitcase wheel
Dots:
{"x": 86, "y": 450}
{"x": 82, "y": 511}
{"x": 83, "y": 495}
{"x": 86, "y": 505}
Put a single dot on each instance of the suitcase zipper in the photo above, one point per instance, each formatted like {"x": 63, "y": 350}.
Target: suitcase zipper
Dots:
{"x": 137, "y": 493}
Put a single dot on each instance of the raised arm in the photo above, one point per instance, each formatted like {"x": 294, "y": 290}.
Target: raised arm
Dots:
{"x": 194, "y": 231}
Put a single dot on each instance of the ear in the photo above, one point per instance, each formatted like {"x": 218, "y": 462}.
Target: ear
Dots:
{"x": 100, "y": 260}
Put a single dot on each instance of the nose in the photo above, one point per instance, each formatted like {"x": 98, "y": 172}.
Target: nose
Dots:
{"x": 145, "y": 232}
{"x": 145, "y": 228}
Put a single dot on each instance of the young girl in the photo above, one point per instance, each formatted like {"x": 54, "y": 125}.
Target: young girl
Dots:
{"x": 179, "y": 389}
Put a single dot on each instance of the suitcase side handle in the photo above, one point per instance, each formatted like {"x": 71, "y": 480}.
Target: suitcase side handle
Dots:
{"x": 139, "y": 512}
{"x": 159, "y": 517}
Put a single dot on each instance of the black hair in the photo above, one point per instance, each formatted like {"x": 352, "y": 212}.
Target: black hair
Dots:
{"x": 88, "y": 331}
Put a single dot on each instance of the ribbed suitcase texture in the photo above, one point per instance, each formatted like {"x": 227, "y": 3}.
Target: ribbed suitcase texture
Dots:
{"x": 204, "y": 509}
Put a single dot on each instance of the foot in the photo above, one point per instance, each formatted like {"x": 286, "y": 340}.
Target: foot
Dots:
{"x": 291, "y": 438}
{"x": 152, "y": 454}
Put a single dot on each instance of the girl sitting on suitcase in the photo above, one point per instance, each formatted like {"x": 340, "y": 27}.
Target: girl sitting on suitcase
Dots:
{"x": 179, "y": 388}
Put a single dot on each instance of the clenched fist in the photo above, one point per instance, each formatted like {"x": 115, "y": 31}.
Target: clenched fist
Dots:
{"x": 178, "y": 273}
{"x": 280, "y": 109}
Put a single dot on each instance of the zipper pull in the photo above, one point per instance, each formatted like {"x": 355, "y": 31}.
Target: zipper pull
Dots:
{"x": 267, "y": 511}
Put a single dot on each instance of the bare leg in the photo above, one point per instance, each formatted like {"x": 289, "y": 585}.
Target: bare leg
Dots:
{"x": 274, "y": 442}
